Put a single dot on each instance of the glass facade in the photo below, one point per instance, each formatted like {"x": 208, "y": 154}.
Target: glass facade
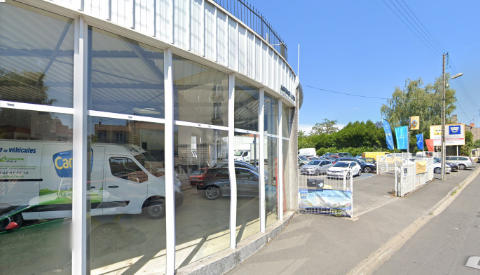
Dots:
{"x": 126, "y": 221}
{"x": 247, "y": 152}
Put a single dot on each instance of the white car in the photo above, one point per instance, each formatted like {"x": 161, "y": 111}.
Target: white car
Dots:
{"x": 437, "y": 167}
{"x": 462, "y": 162}
{"x": 342, "y": 168}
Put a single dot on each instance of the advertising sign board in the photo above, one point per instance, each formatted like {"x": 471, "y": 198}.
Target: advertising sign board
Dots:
{"x": 454, "y": 134}
{"x": 326, "y": 200}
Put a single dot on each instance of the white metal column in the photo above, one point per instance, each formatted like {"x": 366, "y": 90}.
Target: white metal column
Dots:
{"x": 261, "y": 161}
{"x": 169, "y": 163}
{"x": 79, "y": 188}
{"x": 231, "y": 163}
{"x": 280, "y": 162}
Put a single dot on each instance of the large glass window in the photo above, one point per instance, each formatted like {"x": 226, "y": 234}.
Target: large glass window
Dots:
{"x": 201, "y": 93}
{"x": 286, "y": 172}
{"x": 126, "y": 174}
{"x": 246, "y": 154}
{"x": 271, "y": 115}
{"x": 287, "y": 120}
{"x": 36, "y": 66}
{"x": 36, "y": 57}
{"x": 126, "y": 76}
{"x": 271, "y": 179}
{"x": 35, "y": 191}
{"x": 246, "y": 106}
{"x": 202, "y": 222}
{"x": 126, "y": 193}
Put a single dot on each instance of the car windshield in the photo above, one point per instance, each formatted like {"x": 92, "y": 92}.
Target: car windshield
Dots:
{"x": 238, "y": 153}
{"x": 341, "y": 164}
{"x": 314, "y": 162}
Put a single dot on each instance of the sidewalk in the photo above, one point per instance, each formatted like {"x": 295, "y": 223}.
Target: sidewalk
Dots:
{"x": 316, "y": 244}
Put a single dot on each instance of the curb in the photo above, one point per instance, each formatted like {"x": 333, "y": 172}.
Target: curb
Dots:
{"x": 381, "y": 255}
{"x": 224, "y": 261}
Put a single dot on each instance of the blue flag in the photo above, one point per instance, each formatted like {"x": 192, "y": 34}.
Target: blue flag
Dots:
{"x": 401, "y": 133}
{"x": 388, "y": 135}
{"x": 420, "y": 141}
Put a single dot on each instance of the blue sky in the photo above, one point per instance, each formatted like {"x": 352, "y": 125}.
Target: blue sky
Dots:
{"x": 361, "y": 47}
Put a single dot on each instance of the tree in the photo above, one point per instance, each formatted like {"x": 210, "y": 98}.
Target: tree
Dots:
{"x": 421, "y": 100}
{"x": 325, "y": 127}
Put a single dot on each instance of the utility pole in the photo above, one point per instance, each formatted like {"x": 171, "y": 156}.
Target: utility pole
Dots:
{"x": 444, "y": 153}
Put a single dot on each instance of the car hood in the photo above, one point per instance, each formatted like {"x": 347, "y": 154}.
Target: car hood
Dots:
{"x": 337, "y": 169}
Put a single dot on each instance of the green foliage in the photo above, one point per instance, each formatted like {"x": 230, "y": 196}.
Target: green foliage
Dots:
{"x": 325, "y": 127}
{"x": 476, "y": 144}
{"x": 469, "y": 144}
{"x": 355, "y": 138}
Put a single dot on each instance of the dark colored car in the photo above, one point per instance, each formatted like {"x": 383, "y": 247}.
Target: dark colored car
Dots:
{"x": 217, "y": 183}
{"x": 345, "y": 155}
{"x": 453, "y": 166}
{"x": 366, "y": 167}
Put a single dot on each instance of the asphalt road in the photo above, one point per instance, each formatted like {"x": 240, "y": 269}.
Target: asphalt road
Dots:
{"x": 444, "y": 244}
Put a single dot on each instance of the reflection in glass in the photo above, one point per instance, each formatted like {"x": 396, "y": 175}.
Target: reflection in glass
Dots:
{"x": 202, "y": 223}
{"x": 201, "y": 93}
{"x": 271, "y": 115}
{"x": 35, "y": 192}
{"x": 246, "y": 148}
{"x": 287, "y": 120}
{"x": 271, "y": 179}
{"x": 286, "y": 172}
{"x": 126, "y": 176}
{"x": 126, "y": 76}
{"x": 246, "y": 106}
{"x": 36, "y": 57}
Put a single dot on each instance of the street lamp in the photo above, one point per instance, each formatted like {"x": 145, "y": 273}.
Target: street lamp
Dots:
{"x": 444, "y": 151}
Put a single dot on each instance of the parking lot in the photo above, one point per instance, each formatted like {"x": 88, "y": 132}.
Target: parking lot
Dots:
{"x": 372, "y": 191}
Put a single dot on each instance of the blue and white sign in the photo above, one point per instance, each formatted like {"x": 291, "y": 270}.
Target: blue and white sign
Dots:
{"x": 401, "y": 133}
{"x": 326, "y": 200}
{"x": 388, "y": 135}
{"x": 454, "y": 130}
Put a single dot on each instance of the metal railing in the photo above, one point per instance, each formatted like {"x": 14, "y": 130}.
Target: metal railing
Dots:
{"x": 245, "y": 12}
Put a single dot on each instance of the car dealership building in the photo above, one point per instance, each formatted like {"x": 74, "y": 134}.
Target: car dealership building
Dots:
{"x": 141, "y": 136}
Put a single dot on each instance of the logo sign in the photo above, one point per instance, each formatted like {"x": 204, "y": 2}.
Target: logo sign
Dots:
{"x": 63, "y": 163}
{"x": 454, "y": 134}
{"x": 388, "y": 135}
{"x": 414, "y": 122}
{"x": 401, "y": 133}
{"x": 454, "y": 130}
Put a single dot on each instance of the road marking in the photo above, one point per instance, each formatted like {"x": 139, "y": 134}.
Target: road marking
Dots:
{"x": 381, "y": 255}
{"x": 473, "y": 262}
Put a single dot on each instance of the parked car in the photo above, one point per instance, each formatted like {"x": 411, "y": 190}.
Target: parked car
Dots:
{"x": 344, "y": 155}
{"x": 437, "y": 167}
{"x": 343, "y": 168}
{"x": 302, "y": 160}
{"x": 330, "y": 156}
{"x": 365, "y": 166}
{"x": 219, "y": 185}
{"x": 453, "y": 166}
{"x": 462, "y": 161}
{"x": 316, "y": 167}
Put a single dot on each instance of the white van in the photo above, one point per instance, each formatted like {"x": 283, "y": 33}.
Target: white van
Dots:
{"x": 36, "y": 181}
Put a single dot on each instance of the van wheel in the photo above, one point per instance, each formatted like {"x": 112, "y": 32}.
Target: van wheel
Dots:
{"x": 154, "y": 209}
{"x": 212, "y": 192}
{"x": 437, "y": 170}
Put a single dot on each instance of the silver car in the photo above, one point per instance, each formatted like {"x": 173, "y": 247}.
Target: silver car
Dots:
{"x": 316, "y": 167}
{"x": 462, "y": 162}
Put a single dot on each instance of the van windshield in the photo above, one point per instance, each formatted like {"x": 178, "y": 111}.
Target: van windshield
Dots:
{"x": 238, "y": 153}
{"x": 149, "y": 162}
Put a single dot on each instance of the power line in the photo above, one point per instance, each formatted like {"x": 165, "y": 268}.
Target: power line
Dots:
{"x": 345, "y": 93}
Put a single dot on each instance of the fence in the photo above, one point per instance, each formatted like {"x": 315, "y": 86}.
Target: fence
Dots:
{"x": 256, "y": 21}
{"x": 387, "y": 164}
{"x": 326, "y": 195}
{"x": 412, "y": 174}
